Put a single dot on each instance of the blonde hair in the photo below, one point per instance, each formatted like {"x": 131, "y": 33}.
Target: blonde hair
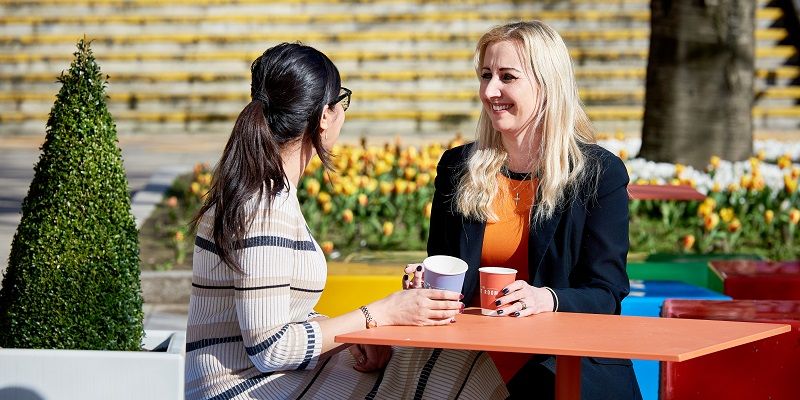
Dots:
{"x": 559, "y": 118}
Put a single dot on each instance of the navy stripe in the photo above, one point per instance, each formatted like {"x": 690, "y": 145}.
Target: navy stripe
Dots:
{"x": 425, "y": 374}
{"x": 309, "y": 346}
{"x": 263, "y": 287}
{"x": 211, "y": 287}
{"x": 458, "y": 395}
{"x": 259, "y": 241}
{"x": 376, "y": 386}
{"x": 324, "y": 363}
{"x": 251, "y": 351}
{"x": 192, "y": 346}
{"x": 306, "y": 290}
{"x": 241, "y": 388}
{"x": 258, "y": 288}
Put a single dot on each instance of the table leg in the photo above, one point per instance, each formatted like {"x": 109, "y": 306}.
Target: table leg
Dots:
{"x": 568, "y": 378}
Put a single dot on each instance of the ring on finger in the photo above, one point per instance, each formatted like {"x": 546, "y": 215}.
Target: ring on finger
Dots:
{"x": 524, "y": 306}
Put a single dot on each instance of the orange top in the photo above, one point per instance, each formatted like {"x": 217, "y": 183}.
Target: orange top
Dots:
{"x": 505, "y": 244}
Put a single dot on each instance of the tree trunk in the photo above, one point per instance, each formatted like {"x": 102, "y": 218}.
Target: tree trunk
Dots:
{"x": 699, "y": 81}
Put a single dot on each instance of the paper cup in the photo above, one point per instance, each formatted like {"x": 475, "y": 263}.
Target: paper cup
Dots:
{"x": 444, "y": 272}
{"x": 493, "y": 280}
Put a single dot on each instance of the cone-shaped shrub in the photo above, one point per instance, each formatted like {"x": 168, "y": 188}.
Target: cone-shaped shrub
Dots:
{"x": 73, "y": 274}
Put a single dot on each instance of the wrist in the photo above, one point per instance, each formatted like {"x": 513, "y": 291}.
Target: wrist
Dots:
{"x": 379, "y": 315}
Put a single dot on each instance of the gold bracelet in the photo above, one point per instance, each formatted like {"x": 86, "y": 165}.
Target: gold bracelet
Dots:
{"x": 371, "y": 323}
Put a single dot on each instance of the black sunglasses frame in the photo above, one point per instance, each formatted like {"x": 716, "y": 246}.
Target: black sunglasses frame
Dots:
{"x": 339, "y": 99}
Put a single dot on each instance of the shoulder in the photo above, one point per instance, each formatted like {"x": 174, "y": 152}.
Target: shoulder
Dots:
{"x": 457, "y": 155}
{"x": 604, "y": 168}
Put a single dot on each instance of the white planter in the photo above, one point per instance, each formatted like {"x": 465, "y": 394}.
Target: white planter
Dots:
{"x": 88, "y": 374}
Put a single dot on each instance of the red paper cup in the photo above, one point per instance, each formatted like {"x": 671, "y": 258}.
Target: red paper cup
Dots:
{"x": 493, "y": 280}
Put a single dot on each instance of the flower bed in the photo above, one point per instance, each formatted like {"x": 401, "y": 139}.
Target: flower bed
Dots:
{"x": 380, "y": 199}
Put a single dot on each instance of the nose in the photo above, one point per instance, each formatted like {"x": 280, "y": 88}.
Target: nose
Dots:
{"x": 491, "y": 89}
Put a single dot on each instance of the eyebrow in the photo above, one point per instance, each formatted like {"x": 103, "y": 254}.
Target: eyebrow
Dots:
{"x": 503, "y": 69}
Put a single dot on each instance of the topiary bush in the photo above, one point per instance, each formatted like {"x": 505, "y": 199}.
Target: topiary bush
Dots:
{"x": 72, "y": 280}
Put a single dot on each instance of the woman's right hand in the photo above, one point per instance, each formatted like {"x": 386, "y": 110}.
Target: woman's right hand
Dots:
{"x": 416, "y": 281}
{"x": 418, "y": 307}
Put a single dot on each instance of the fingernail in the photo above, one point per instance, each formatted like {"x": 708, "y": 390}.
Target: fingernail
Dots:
{"x": 419, "y": 268}
{"x": 405, "y": 277}
{"x": 497, "y": 302}
{"x": 461, "y": 311}
{"x": 452, "y": 320}
{"x": 461, "y": 297}
{"x": 499, "y": 312}
{"x": 505, "y": 291}
{"x": 515, "y": 314}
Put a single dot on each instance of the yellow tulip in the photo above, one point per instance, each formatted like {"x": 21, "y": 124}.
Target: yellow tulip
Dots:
{"x": 716, "y": 187}
{"x": 734, "y": 225}
{"x": 386, "y": 188}
{"x": 789, "y": 184}
{"x": 400, "y": 186}
{"x": 711, "y": 221}
{"x": 714, "y": 162}
{"x": 324, "y": 198}
{"x": 623, "y": 154}
{"x": 620, "y": 135}
{"x": 679, "y": 168}
{"x": 179, "y": 236}
{"x": 312, "y": 187}
{"x": 784, "y": 161}
{"x": 746, "y": 181}
{"x": 711, "y": 202}
{"x": 423, "y": 179}
{"x": 769, "y": 215}
{"x": 388, "y": 228}
{"x": 347, "y": 216}
{"x": 194, "y": 188}
{"x": 410, "y": 173}
{"x": 362, "y": 200}
{"x": 795, "y": 172}
{"x": 733, "y": 187}
{"x": 327, "y": 207}
{"x": 704, "y": 210}
{"x": 794, "y": 216}
{"x": 761, "y": 155}
{"x": 327, "y": 247}
{"x": 726, "y": 214}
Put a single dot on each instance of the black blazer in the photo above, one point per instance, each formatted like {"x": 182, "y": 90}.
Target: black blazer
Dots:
{"x": 580, "y": 252}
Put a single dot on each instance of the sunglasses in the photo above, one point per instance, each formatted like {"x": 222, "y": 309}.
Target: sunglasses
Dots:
{"x": 344, "y": 98}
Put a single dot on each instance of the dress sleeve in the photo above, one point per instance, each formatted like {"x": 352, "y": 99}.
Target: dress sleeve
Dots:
{"x": 600, "y": 281}
{"x": 273, "y": 341}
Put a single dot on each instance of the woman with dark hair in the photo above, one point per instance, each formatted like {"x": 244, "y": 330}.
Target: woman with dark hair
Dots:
{"x": 258, "y": 272}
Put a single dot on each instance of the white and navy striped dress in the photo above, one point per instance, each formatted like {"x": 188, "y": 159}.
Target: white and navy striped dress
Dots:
{"x": 251, "y": 335}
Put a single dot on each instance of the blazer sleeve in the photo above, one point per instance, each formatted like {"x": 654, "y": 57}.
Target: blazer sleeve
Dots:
{"x": 599, "y": 281}
{"x": 263, "y": 299}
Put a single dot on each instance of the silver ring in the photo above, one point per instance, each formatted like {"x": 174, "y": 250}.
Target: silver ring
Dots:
{"x": 524, "y": 306}
{"x": 426, "y": 285}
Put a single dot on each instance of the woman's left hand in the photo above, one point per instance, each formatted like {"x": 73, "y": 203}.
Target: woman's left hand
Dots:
{"x": 370, "y": 358}
{"x": 521, "y": 299}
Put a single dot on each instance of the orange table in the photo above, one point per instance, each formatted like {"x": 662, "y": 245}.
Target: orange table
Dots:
{"x": 664, "y": 192}
{"x": 572, "y": 336}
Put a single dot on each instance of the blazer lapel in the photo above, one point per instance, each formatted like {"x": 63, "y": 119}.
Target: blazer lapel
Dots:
{"x": 470, "y": 245}
{"x": 539, "y": 240}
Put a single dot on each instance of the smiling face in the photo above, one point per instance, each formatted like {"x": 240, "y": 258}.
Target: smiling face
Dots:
{"x": 508, "y": 92}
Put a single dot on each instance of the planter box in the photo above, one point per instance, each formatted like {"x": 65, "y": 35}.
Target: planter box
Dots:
{"x": 91, "y": 374}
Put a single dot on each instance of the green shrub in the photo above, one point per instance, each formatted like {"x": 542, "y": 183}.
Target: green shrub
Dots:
{"x": 73, "y": 274}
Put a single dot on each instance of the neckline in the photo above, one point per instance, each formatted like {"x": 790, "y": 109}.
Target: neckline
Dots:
{"x": 517, "y": 176}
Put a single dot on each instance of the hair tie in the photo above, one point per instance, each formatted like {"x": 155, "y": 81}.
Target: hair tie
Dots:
{"x": 262, "y": 98}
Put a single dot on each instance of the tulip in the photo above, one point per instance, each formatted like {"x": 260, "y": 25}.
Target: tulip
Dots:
{"x": 410, "y": 173}
{"x": 172, "y": 202}
{"x": 734, "y": 225}
{"x": 423, "y": 179}
{"x": 761, "y": 155}
{"x": 388, "y": 228}
{"x": 312, "y": 187}
{"x": 711, "y": 221}
{"x": 716, "y": 187}
{"x": 362, "y": 200}
{"x": 327, "y": 207}
{"x": 347, "y": 216}
{"x": 794, "y": 216}
{"x": 386, "y": 187}
{"x": 179, "y": 236}
{"x": 327, "y": 247}
{"x": 324, "y": 198}
{"x": 789, "y": 184}
{"x": 726, "y": 214}
{"x": 400, "y": 186}
{"x": 679, "y": 168}
{"x": 623, "y": 154}
{"x": 687, "y": 242}
{"x": 784, "y": 161}
{"x": 714, "y": 162}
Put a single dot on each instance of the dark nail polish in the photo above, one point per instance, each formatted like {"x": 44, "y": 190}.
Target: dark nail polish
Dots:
{"x": 461, "y": 310}
{"x": 515, "y": 314}
{"x": 497, "y": 302}
{"x": 505, "y": 291}
{"x": 405, "y": 277}
{"x": 453, "y": 320}
{"x": 499, "y": 312}
{"x": 461, "y": 297}
{"x": 419, "y": 268}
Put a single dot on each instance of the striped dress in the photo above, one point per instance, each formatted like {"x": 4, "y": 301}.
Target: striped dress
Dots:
{"x": 253, "y": 335}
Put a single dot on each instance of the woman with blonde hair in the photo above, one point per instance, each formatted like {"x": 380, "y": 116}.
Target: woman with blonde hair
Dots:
{"x": 535, "y": 193}
{"x": 258, "y": 273}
